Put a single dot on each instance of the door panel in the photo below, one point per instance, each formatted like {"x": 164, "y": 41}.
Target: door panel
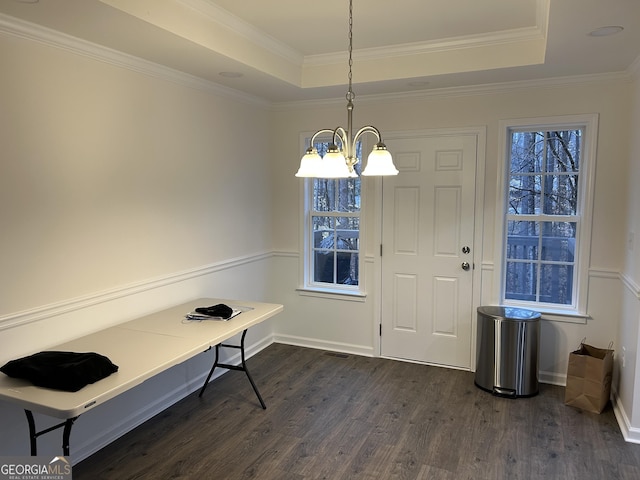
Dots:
{"x": 428, "y": 217}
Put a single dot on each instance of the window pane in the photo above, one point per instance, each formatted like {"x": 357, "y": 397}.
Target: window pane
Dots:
{"x": 561, "y": 194}
{"x": 556, "y": 284}
{"x": 562, "y": 165}
{"x": 558, "y": 241}
{"x": 524, "y": 194}
{"x": 521, "y": 281}
{"x": 348, "y": 190}
{"x": 563, "y": 151}
{"x": 527, "y": 152}
{"x": 348, "y": 233}
{"x": 331, "y": 195}
{"x": 323, "y": 194}
{"x": 343, "y": 264}
{"x": 323, "y": 229}
{"x": 324, "y": 266}
{"x": 350, "y": 277}
{"x": 522, "y": 240}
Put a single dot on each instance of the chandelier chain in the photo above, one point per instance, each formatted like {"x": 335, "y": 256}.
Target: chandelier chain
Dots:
{"x": 350, "y": 94}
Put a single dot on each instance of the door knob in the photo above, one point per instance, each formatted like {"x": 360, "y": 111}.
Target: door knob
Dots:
{"x": 465, "y": 265}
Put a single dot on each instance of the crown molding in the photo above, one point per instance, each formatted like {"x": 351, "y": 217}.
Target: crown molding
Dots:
{"x": 436, "y": 46}
{"x": 542, "y": 16}
{"x": 15, "y": 27}
{"x": 485, "y": 89}
{"x": 244, "y": 29}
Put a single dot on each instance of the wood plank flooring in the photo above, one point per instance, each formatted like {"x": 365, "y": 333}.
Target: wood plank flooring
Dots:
{"x": 334, "y": 416}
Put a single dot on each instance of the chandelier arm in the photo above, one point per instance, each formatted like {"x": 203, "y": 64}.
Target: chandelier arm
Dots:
{"x": 341, "y": 133}
{"x": 367, "y": 129}
{"x": 348, "y": 146}
{"x": 320, "y": 132}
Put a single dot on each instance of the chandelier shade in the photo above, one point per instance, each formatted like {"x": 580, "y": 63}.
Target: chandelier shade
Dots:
{"x": 380, "y": 162}
{"x": 310, "y": 163}
{"x": 341, "y": 158}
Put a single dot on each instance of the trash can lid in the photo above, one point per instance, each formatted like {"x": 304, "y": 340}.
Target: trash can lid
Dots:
{"x": 509, "y": 313}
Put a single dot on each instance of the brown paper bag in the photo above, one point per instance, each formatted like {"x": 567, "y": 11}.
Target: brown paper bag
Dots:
{"x": 589, "y": 378}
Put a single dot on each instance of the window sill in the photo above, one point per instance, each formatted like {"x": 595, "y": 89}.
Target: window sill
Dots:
{"x": 565, "y": 317}
{"x": 555, "y": 315}
{"x": 332, "y": 294}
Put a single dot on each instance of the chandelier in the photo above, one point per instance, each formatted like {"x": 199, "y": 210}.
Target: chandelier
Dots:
{"x": 340, "y": 159}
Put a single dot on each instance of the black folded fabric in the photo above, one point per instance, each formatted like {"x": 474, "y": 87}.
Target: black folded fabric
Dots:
{"x": 68, "y": 371}
{"x": 220, "y": 310}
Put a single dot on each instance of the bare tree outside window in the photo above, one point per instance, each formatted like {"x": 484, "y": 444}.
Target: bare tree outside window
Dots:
{"x": 542, "y": 215}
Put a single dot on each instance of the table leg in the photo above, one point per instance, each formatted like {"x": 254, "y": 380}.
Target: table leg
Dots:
{"x": 66, "y": 433}
{"x": 242, "y": 367}
{"x": 33, "y": 434}
{"x": 215, "y": 364}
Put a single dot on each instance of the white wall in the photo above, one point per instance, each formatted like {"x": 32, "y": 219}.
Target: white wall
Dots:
{"x": 121, "y": 193}
{"x": 628, "y": 408}
{"x": 341, "y": 325}
{"x": 112, "y": 177}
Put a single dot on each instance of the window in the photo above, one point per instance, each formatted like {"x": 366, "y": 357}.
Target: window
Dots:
{"x": 332, "y": 231}
{"x": 547, "y": 214}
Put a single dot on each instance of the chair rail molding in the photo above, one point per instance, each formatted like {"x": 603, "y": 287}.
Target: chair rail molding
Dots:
{"x": 17, "y": 319}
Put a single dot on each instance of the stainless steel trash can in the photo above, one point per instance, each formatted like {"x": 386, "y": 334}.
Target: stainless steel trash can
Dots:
{"x": 507, "y": 351}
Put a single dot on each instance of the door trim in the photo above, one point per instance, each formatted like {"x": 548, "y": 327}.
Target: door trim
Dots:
{"x": 377, "y": 193}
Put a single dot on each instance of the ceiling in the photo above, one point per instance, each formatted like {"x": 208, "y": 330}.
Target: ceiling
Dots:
{"x": 291, "y": 50}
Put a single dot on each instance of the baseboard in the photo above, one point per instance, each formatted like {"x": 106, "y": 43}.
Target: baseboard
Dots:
{"x": 630, "y": 434}
{"x": 91, "y": 445}
{"x": 366, "y": 351}
{"x": 552, "y": 378}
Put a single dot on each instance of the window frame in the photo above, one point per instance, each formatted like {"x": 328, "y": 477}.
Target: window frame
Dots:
{"x": 586, "y": 182}
{"x": 308, "y": 286}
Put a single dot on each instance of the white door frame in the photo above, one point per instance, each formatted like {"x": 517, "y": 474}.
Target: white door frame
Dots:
{"x": 481, "y": 135}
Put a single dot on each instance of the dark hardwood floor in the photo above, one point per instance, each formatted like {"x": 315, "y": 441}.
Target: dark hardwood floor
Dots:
{"x": 334, "y": 416}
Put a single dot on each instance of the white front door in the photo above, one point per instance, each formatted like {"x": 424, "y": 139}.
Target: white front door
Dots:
{"x": 428, "y": 217}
